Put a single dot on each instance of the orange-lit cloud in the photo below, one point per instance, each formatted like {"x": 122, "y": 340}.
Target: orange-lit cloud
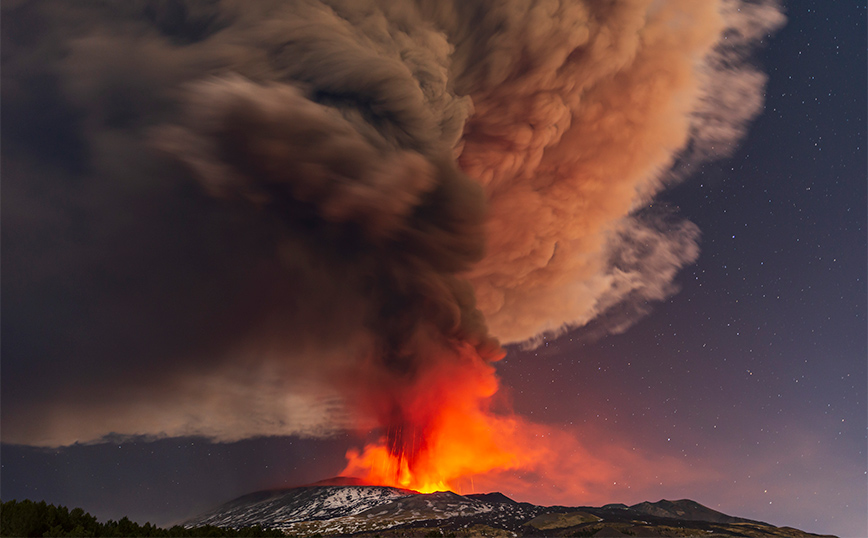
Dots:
{"x": 572, "y": 136}
{"x": 238, "y": 219}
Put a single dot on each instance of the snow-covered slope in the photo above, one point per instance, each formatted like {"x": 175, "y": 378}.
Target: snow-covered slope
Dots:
{"x": 341, "y": 510}
{"x": 280, "y": 508}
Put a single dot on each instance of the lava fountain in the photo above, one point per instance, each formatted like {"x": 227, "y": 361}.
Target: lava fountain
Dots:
{"x": 441, "y": 428}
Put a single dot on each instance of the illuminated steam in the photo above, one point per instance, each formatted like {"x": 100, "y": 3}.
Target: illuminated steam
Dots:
{"x": 235, "y": 219}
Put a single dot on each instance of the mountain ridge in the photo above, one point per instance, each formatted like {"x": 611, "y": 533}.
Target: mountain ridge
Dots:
{"x": 687, "y": 509}
{"x": 367, "y": 510}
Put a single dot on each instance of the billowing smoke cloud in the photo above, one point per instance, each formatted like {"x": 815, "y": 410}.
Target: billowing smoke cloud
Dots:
{"x": 233, "y": 219}
{"x": 580, "y": 112}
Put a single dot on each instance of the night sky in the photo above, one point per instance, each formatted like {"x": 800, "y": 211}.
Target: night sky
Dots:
{"x": 744, "y": 391}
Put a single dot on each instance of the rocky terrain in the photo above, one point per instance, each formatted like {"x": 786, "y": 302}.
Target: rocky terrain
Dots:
{"x": 344, "y": 508}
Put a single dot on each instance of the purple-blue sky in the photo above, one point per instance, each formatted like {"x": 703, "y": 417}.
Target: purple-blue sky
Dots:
{"x": 753, "y": 376}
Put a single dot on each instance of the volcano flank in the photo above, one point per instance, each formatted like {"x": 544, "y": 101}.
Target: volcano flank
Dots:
{"x": 342, "y": 506}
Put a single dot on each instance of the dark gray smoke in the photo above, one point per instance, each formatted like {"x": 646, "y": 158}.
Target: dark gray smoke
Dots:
{"x": 231, "y": 218}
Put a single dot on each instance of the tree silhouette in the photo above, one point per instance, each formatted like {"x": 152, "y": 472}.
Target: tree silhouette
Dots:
{"x": 37, "y": 519}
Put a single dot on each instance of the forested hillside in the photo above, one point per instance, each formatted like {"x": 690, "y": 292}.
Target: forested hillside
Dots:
{"x": 28, "y": 518}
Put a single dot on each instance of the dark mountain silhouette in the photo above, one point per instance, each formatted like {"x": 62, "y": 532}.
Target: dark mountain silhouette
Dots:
{"x": 685, "y": 509}
{"x": 492, "y": 498}
{"x": 342, "y": 507}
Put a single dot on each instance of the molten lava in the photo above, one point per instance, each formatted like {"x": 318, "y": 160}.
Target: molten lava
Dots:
{"x": 441, "y": 429}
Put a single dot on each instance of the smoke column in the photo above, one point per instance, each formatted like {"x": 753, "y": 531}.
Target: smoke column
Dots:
{"x": 235, "y": 219}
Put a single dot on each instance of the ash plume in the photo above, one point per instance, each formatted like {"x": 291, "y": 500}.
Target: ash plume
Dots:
{"x": 237, "y": 219}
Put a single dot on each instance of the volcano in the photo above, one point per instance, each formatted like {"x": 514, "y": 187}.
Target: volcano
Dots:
{"x": 342, "y": 506}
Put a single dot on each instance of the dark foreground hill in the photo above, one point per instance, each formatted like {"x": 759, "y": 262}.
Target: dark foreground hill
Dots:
{"x": 355, "y": 510}
{"x": 27, "y": 518}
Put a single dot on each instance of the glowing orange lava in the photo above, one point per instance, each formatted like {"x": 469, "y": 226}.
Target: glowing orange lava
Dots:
{"x": 442, "y": 429}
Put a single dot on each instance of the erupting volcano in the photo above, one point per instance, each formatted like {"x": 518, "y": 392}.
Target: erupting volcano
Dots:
{"x": 326, "y": 216}
{"x": 441, "y": 428}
